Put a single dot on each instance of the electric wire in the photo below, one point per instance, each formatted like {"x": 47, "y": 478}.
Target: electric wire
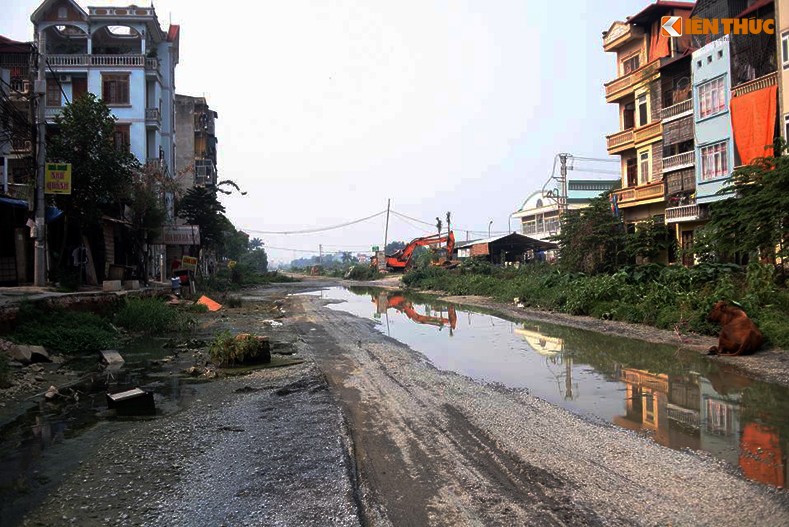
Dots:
{"x": 320, "y": 229}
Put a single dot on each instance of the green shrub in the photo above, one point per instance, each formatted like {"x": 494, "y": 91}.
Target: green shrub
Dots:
{"x": 63, "y": 331}
{"x": 234, "y": 301}
{"x": 229, "y": 350}
{"x": 149, "y": 315}
{"x": 362, "y": 273}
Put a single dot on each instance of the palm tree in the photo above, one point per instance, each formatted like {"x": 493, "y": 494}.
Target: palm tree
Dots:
{"x": 255, "y": 243}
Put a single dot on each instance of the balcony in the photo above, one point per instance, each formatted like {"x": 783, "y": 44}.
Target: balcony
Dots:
{"x": 84, "y": 61}
{"x": 679, "y": 161}
{"x": 681, "y": 181}
{"x": 20, "y": 89}
{"x": 153, "y": 117}
{"x": 151, "y": 65}
{"x": 631, "y": 196}
{"x": 647, "y": 132}
{"x": 621, "y": 86}
{"x": 21, "y": 146}
{"x": 681, "y": 109}
{"x": 685, "y": 213}
{"x": 50, "y": 112}
{"x": 757, "y": 84}
{"x": 205, "y": 173}
{"x": 620, "y": 141}
{"x": 157, "y": 164}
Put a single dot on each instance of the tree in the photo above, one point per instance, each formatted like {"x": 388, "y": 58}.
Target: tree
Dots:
{"x": 754, "y": 219}
{"x": 649, "y": 240}
{"x": 256, "y": 259}
{"x": 393, "y": 247}
{"x": 102, "y": 173}
{"x": 255, "y": 243}
{"x": 200, "y": 206}
{"x": 592, "y": 239}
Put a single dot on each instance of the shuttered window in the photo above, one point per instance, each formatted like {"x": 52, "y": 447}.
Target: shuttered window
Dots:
{"x": 115, "y": 88}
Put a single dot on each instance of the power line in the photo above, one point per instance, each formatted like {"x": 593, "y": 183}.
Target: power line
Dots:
{"x": 321, "y": 229}
{"x": 456, "y": 228}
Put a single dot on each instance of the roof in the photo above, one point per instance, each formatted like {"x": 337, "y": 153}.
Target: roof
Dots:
{"x": 533, "y": 243}
{"x": 46, "y": 4}
{"x": 12, "y": 46}
{"x": 659, "y": 8}
{"x": 173, "y": 32}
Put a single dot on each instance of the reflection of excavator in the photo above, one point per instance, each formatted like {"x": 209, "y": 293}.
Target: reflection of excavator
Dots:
{"x": 401, "y": 260}
{"x": 398, "y": 301}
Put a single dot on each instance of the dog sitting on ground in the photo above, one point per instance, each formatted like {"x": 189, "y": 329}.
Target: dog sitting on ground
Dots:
{"x": 739, "y": 335}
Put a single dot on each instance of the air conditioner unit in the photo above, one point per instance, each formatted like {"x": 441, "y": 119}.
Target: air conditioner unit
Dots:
{"x": 65, "y": 78}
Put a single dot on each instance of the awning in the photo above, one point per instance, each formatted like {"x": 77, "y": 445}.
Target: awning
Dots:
{"x": 753, "y": 123}
{"x": 52, "y": 213}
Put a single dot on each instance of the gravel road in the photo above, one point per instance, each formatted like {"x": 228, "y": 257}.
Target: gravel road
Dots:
{"x": 367, "y": 432}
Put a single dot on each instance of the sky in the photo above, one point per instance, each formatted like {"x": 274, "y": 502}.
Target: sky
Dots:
{"x": 328, "y": 108}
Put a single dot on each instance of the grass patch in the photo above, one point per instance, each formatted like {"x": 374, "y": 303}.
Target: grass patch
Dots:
{"x": 239, "y": 278}
{"x": 652, "y": 294}
{"x": 228, "y": 350}
{"x": 63, "y": 331}
{"x": 151, "y": 315}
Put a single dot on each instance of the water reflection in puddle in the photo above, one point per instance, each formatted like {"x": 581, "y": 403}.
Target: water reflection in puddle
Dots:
{"x": 679, "y": 399}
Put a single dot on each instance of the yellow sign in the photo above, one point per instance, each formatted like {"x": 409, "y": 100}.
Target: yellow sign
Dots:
{"x": 57, "y": 178}
{"x": 231, "y": 264}
{"x": 189, "y": 263}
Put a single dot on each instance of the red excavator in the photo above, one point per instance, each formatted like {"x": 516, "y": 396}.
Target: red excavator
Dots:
{"x": 401, "y": 260}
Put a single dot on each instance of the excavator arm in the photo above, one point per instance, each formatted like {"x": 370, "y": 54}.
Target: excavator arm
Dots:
{"x": 402, "y": 258}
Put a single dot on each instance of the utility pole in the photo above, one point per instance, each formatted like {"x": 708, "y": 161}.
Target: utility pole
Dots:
{"x": 386, "y": 231}
{"x": 40, "y": 268}
{"x": 320, "y": 254}
{"x": 562, "y": 202}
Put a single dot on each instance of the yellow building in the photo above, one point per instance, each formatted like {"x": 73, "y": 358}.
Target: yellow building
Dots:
{"x": 638, "y": 91}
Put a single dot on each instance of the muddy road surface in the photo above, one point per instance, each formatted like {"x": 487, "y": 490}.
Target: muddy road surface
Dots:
{"x": 436, "y": 448}
{"x": 367, "y": 431}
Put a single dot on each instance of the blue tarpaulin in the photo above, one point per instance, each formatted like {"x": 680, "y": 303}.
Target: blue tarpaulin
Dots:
{"x": 51, "y": 215}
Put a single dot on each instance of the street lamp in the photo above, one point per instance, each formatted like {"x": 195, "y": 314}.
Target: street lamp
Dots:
{"x": 489, "y": 224}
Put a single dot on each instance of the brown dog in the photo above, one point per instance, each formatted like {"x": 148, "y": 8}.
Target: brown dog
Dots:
{"x": 739, "y": 335}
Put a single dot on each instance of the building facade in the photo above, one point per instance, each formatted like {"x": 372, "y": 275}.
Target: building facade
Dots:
{"x": 638, "y": 90}
{"x": 539, "y": 215}
{"x": 16, "y": 138}
{"x": 196, "y": 160}
{"x": 121, "y": 55}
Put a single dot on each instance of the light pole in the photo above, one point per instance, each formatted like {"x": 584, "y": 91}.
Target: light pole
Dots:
{"x": 489, "y": 224}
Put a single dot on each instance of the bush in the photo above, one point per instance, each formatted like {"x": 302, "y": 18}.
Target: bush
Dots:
{"x": 227, "y": 350}
{"x": 362, "y": 273}
{"x": 63, "y": 331}
{"x": 150, "y": 315}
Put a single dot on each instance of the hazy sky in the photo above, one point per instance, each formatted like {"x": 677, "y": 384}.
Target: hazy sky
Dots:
{"x": 329, "y": 107}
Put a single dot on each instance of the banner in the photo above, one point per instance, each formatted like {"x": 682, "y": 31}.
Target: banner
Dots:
{"x": 57, "y": 178}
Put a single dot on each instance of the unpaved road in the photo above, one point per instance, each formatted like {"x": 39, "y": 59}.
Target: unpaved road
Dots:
{"x": 437, "y": 448}
{"x": 367, "y": 432}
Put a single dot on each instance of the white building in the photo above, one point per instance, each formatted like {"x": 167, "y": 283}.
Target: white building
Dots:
{"x": 122, "y": 55}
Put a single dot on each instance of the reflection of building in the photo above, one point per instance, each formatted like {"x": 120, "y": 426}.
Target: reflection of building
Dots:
{"x": 646, "y": 400}
{"x": 552, "y": 348}
{"x": 542, "y": 344}
{"x": 720, "y": 423}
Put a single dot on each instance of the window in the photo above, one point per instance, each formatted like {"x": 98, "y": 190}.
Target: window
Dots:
{"x": 628, "y": 116}
{"x": 115, "y": 88}
{"x": 714, "y": 161}
{"x": 630, "y": 64}
{"x": 121, "y": 138}
{"x": 786, "y": 127}
{"x": 643, "y": 111}
{"x": 643, "y": 168}
{"x": 631, "y": 169}
{"x": 712, "y": 97}
{"x": 785, "y": 49}
{"x": 53, "y": 93}
{"x": 62, "y": 13}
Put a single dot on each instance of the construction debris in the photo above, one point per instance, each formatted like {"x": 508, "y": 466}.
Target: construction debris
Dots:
{"x": 132, "y": 402}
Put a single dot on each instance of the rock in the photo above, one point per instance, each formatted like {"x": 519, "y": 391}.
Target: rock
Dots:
{"x": 52, "y": 393}
{"x": 195, "y": 371}
{"x": 111, "y": 285}
{"x": 110, "y": 357}
{"x": 132, "y": 402}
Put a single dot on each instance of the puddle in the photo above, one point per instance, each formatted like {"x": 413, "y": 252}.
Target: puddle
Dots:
{"x": 678, "y": 399}
{"x": 35, "y": 448}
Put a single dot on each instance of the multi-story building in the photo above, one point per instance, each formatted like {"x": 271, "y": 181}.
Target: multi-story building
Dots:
{"x": 122, "y": 55}
{"x": 195, "y": 143}
{"x": 16, "y": 139}
{"x": 638, "y": 90}
{"x": 539, "y": 214}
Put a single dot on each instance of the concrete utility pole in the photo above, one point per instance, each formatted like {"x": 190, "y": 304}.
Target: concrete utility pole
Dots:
{"x": 562, "y": 202}
{"x": 386, "y": 230}
{"x": 320, "y": 254}
{"x": 40, "y": 267}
